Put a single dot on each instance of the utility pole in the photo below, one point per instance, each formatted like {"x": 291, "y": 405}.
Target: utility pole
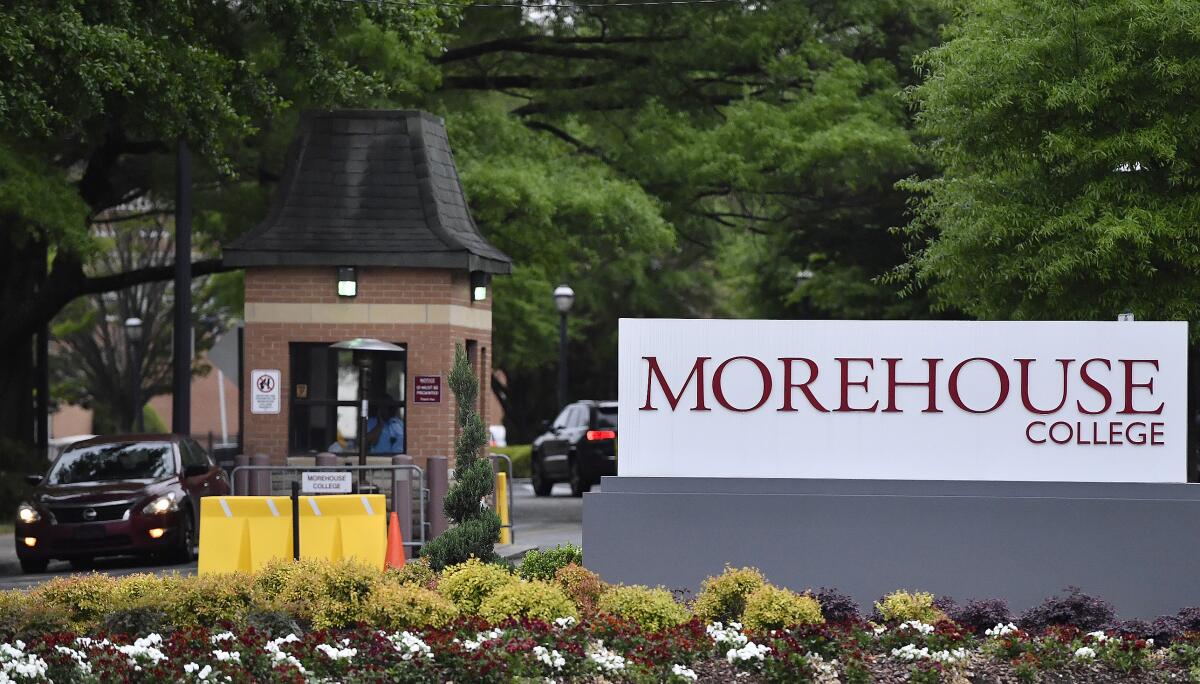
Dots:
{"x": 181, "y": 377}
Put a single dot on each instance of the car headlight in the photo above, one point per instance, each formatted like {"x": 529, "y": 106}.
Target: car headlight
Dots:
{"x": 163, "y": 504}
{"x": 28, "y": 514}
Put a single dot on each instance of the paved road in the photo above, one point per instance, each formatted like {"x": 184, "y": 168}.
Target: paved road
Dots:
{"x": 539, "y": 522}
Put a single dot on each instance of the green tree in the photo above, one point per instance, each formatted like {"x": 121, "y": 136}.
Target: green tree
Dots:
{"x": 1068, "y": 141}
{"x": 94, "y": 95}
{"x": 476, "y": 526}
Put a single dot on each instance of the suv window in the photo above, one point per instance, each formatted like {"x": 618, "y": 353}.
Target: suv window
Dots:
{"x": 606, "y": 417}
{"x": 192, "y": 454}
{"x": 581, "y": 417}
{"x": 563, "y": 418}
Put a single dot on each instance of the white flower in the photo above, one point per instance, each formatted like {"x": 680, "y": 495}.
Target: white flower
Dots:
{"x": 565, "y": 622}
{"x": 917, "y": 626}
{"x": 145, "y": 648}
{"x": 751, "y": 651}
{"x": 685, "y": 673}
{"x": 607, "y": 660}
{"x": 910, "y": 652}
{"x": 1098, "y": 636}
{"x": 1001, "y": 630}
{"x": 410, "y": 645}
{"x": 879, "y": 629}
{"x": 481, "y": 638}
{"x": 551, "y": 658}
{"x": 722, "y": 635}
{"x": 1085, "y": 653}
{"x": 223, "y": 636}
{"x": 16, "y": 664}
{"x": 335, "y": 653}
{"x": 222, "y": 656}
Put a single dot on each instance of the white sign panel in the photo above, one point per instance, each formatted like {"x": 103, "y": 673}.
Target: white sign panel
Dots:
{"x": 940, "y": 400}
{"x": 322, "y": 482}
{"x": 264, "y": 391}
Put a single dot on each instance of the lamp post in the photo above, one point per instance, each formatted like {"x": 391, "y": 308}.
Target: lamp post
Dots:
{"x": 564, "y": 298}
{"x": 362, "y": 346}
{"x": 133, "y": 336}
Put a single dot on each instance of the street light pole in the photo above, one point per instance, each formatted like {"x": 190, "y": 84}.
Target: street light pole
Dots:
{"x": 564, "y": 297}
{"x": 133, "y": 336}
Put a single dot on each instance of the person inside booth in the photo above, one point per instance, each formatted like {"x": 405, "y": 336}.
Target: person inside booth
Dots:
{"x": 385, "y": 429}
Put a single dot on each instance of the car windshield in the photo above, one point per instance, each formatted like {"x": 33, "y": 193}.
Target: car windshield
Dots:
{"x": 606, "y": 417}
{"x": 110, "y": 462}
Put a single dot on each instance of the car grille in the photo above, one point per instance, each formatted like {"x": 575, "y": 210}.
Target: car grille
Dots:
{"x": 116, "y": 541}
{"x": 104, "y": 512}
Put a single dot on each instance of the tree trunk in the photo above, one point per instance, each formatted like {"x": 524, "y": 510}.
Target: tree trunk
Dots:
{"x": 22, "y": 269}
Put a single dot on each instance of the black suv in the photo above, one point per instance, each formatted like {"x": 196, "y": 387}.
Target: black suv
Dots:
{"x": 578, "y": 447}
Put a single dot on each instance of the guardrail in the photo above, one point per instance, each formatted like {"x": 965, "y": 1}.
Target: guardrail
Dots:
{"x": 401, "y": 490}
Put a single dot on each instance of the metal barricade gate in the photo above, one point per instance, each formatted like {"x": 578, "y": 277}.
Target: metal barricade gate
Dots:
{"x": 417, "y": 476}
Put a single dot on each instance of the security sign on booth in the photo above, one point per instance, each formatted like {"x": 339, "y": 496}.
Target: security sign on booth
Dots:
{"x": 1067, "y": 401}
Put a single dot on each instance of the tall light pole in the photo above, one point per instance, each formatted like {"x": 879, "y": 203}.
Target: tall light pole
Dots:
{"x": 181, "y": 367}
{"x": 564, "y": 297}
{"x": 133, "y": 336}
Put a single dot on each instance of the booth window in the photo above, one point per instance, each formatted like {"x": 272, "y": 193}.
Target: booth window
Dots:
{"x": 324, "y": 401}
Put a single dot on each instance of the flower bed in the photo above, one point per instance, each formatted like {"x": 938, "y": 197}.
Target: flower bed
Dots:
{"x": 314, "y": 622}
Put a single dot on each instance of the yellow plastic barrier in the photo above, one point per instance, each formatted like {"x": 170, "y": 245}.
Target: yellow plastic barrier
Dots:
{"x": 502, "y": 507}
{"x": 335, "y": 527}
{"x": 242, "y": 533}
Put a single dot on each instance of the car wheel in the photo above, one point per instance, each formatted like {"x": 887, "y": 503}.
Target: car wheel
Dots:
{"x": 33, "y": 566}
{"x": 578, "y": 485}
{"x": 541, "y": 485}
{"x": 85, "y": 563}
{"x": 185, "y": 551}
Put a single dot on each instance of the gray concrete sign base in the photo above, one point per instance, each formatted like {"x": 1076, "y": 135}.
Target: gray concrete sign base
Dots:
{"x": 1136, "y": 545}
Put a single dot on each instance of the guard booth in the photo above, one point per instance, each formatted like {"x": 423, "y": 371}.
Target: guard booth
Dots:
{"x": 369, "y": 236}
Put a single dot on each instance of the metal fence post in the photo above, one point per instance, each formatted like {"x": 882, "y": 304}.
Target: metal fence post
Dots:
{"x": 402, "y": 498}
{"x": 439, "y": 482}
{"x": 241, "y": 480}
{"x": 260, "y": 480}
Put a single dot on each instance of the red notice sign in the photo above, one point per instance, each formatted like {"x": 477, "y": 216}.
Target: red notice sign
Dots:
{"x": 427, "y": 389}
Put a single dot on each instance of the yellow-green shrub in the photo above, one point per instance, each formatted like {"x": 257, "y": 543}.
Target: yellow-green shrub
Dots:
{"x": 581, "y": 585}
{"x": 82, "y": 599}
{"x": 402, "y": 606}
{"x": 469, "y": 584}
{"x": 536, "y": 600}
{"x": 653, "y": 609}
{"x": 416, "y": 573}
{"x": 771, "y": 607}
{"x": 723, "y": 598}
{"x": 209, "y": 600}
{"x": 901, "y": 606}
{"x": 144, "y": 591}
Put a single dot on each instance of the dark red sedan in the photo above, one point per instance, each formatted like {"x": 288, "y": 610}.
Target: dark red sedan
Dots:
{"x": 110, "y": 496}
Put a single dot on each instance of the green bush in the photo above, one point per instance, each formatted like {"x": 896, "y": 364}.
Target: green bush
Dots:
{"x": 541, "y": 565}
{"x": 416, "y": 573}
{"x": 209, "y": 600}
{"x": 902, "y": 606}
{"x": 469, "y": 584}
{"x": 139, "y": 620}
{"x": 771, "y": 607}
{"x": 653, "y": 609}
{"x": 520, "y": 455}
{"x": 83, "y": 600}
{"x": 399, "y": 606}
{"x": 534, "y": 600}
{"x": 581, "y": 585}
{"x": 723, "y": 598}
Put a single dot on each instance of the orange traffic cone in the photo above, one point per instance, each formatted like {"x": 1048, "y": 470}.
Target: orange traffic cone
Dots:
{"x": 395, "y": 543}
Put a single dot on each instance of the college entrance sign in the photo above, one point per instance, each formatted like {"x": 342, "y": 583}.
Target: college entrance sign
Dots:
{"x": 971, "y": 459}
{"x": 942, "y": 400}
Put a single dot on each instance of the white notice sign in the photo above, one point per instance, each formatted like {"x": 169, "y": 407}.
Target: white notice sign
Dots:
{"x": 264, "y": 391}
{"x": 935, "y": 400}
{"x": 326, "y": 483}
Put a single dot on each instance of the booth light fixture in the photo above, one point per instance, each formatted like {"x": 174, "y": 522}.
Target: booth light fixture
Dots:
{"x": 347, "y": 284}
{"x": 479, "y": 285}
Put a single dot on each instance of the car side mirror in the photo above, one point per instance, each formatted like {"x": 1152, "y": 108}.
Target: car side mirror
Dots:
{"x": 545, "y": 425}
{"x": 34, "y": 480}
{"x": 194, "y": 471}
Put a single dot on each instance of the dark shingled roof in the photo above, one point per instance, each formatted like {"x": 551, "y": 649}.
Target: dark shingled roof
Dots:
{"x": 369, "y": 188}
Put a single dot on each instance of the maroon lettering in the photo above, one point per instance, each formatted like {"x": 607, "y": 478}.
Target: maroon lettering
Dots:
{"x": 1095, "y": 385}
{"x": 847, "y": 383}
{"x": 1114, "y": 432}
{"x": 1024, "y": 363}
{"x": 1156, "y": 434}
{"x": 1064, "y": 440}
{"x": 1000, "y": 374}
{"x": 719, "y": 392}
{"x": 788, "y": 385}
{"x": 1029, "y": 429}
{"x": 930, "y": 384}
{"x": 1130, "y": 385}
{"x": 673, "y": 398}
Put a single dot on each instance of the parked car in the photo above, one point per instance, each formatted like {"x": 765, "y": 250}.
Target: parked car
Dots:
{"x": 579, "y": 447}
{"x": 109, "y": 496}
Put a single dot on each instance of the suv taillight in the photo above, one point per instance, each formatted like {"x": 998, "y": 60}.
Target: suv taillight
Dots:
{"x": 597, "y": 435}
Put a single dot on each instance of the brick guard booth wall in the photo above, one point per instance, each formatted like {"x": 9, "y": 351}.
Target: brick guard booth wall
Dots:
{"x": 1135, "y": 545}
